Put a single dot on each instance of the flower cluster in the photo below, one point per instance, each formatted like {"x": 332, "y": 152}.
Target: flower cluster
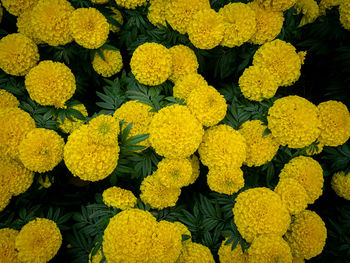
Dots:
{"x": 108, "y": 65}
{"x": 7, "y": 100}
{"x": 341, "y": 184}
{"x": 118, "y": 197}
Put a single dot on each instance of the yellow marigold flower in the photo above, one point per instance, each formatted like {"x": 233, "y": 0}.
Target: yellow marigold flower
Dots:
{"x": 341, "y": 184}
{"x": 175, "y": 132}
{"x": 151, "y": 64}
{"x": 260, "y": 149}
{"x": 108, "y": 66}
{"x": 257, "y": 83}
{"x": 130, "y": 4}
{"x": 222, "y": 146}
{"x": 18, "y": 54}
{"x": 276, "y": 5}
{"x": 68, "y": 126}
{"x": 227, "y": 255}
{"x": 225, "y": 180}
{"x": 259, "y": 211}
{"x": 95, "y": 258}
{"x": 89, "y": 27}
{"x": 104, "y": 130}
{"x": 88, "y": 160}
{"x": 240, "y": 24}
{"x": 17, "y": 7}
{"x": 268, "y": 24}
{"x": 50, "y": 83}
{"x": 14, "y": 123}
{"x": 179, "y": 13}
{"x": 294, "y": 121}
{"x": 25, "y": 26}
{"x": 269, "y": 248}
{"x": 118, "y": 197}
{"x": 206, "y": 29}
{"x": 183, "y": 229}
{"x": 7, "y": 245}
{"x": 309, "y": 9}
{"x": 50, "y": 21}
{"x": 281, "y": 59}
{"x": 307, "y": 172}
{"x": 344, "y": 14}
{"x": 7, "y": 100}
{"x": 184, "y": 62}
{"x": 157, "y": 12}
{"x": 194, "y": 252}
{"x": 117, "y": 15}
{"x": 128, "y": 237}
{"x": 307, "y": 235}
{"x": 293, "y": 195}
{"x": 100, "y": 1}
{"x": 174, "y": 173}
{"x": 158, "y": 196}
{"x": 41, "y": 150}
{"x": 207, "y": 105}
{"x": 38, "y": 241}
{"x": 327, "y": 4}
{"x": 139, "y": 115}
{"x": 335, "y": 123}
{"x": 195, "y": 168}
{"x": 15, "y": 176}
{"x": 185, "y": 85}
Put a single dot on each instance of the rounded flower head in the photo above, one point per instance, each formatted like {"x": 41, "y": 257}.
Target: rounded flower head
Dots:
{"x": 14, "y": 123}
{"x": 222, "y": 146}
{"x": 130, "y": 4}
{"x": 128, "y": 236}
{"x": 260, "y": 211}
{"x": 307, "y": 172}
{"x": 41, "y": 150}
{"x": 240, "y": 24}
{"x": 207, "y": 105}
{"x": 195, "y": 168}
{"x": 158, "y": 196}
{"x": 89, "y": 27}
{"x": 335, "y": 123}
{"x": 104, "y": 130}
{"x": 309, "y": 9}
{"x": 227, "y": 255}
{"x": 269, "y": 248}
{"x": 118, "y": 197}
{"x": 268, "y": 24}
{"x": 341, "y": 184}
{"x": 307, "y": 235}
{"x": 108, "y": 66}
{"x": 174, "y": 173}
{"x": 194, "y": 252}
{"x": 15, "y": 176}
{"x": 344, "y": 14}
{"x": 281, "y": 59}
{"x": 139, "y": 115}
{"x": 294, "y": 121}
{"x": 7, "y": 100}
{"x": 157, "y": 12}
{"x": 179, "y": 13}
{"x": 293, "y": 195}
{"x": 276, "y": 5}
{"x": 18, "y": 54}
{"x": 151, "y": 64}
{"x": 260, "y": 149}
{"x": 206, "y": 29}
{"x": 88, "y": 160}
{"x": 7, "y": 245}
{"x": 175, "y": 132}
{"x": 17, "y": 7}
{"x": 257, "y": 83}
{"x": 25, "y": 26}
{"x": 185, "y": 85}
{"x": 50, "y": 20}
{"x": 50, "y": 83}
{"x": 117, "y": 15}
{"x": 225, "y": 180}
{"x": 38, "y": 241}
{"x": 184, "y": 62}
{"x": 68, "y": 126}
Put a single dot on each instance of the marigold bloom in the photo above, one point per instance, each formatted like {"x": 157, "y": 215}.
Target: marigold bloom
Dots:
{"x": 341, "y": 184}
{"x": 68, "y": 126}
{"x": 307, "y": 235}
{"x": 335, "y": 123}
{"x": 309, "y": 9}
{"x": 104, "y": 130}
{"x": 38, "y": 241}
{"x": 7, "y": 245}
{"x": 175, "y": 132}
{"x": 174, "y": 173}
{"x": 117, "y": 15}
{"x": 194, "y": 252}
{"x": 259, "y": 211}
{"x": 118, "y": 197}
{"x": 7, "y": 100}
{"x": 185, "y": 85}
{"x": 108, "y": 66}
{"x": 276, "y": 5}
{"x": 195, "y": 168}
{"x": 222, "y": 146}
{"x": 18, "y": 54}
{"x": 130, "y": 4}
{"x": 151, "y": 64}
{"x": 225, "y": 180}
{"x": 157, "y": 12}
{"x": 227, "y": 255}
{"x": 25, "y": 26}
{"x": 17, "y": 7}
{"x": 184, "y": 62}
{"x": 294, "y": 121}
{"x": 344, "y": 14}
